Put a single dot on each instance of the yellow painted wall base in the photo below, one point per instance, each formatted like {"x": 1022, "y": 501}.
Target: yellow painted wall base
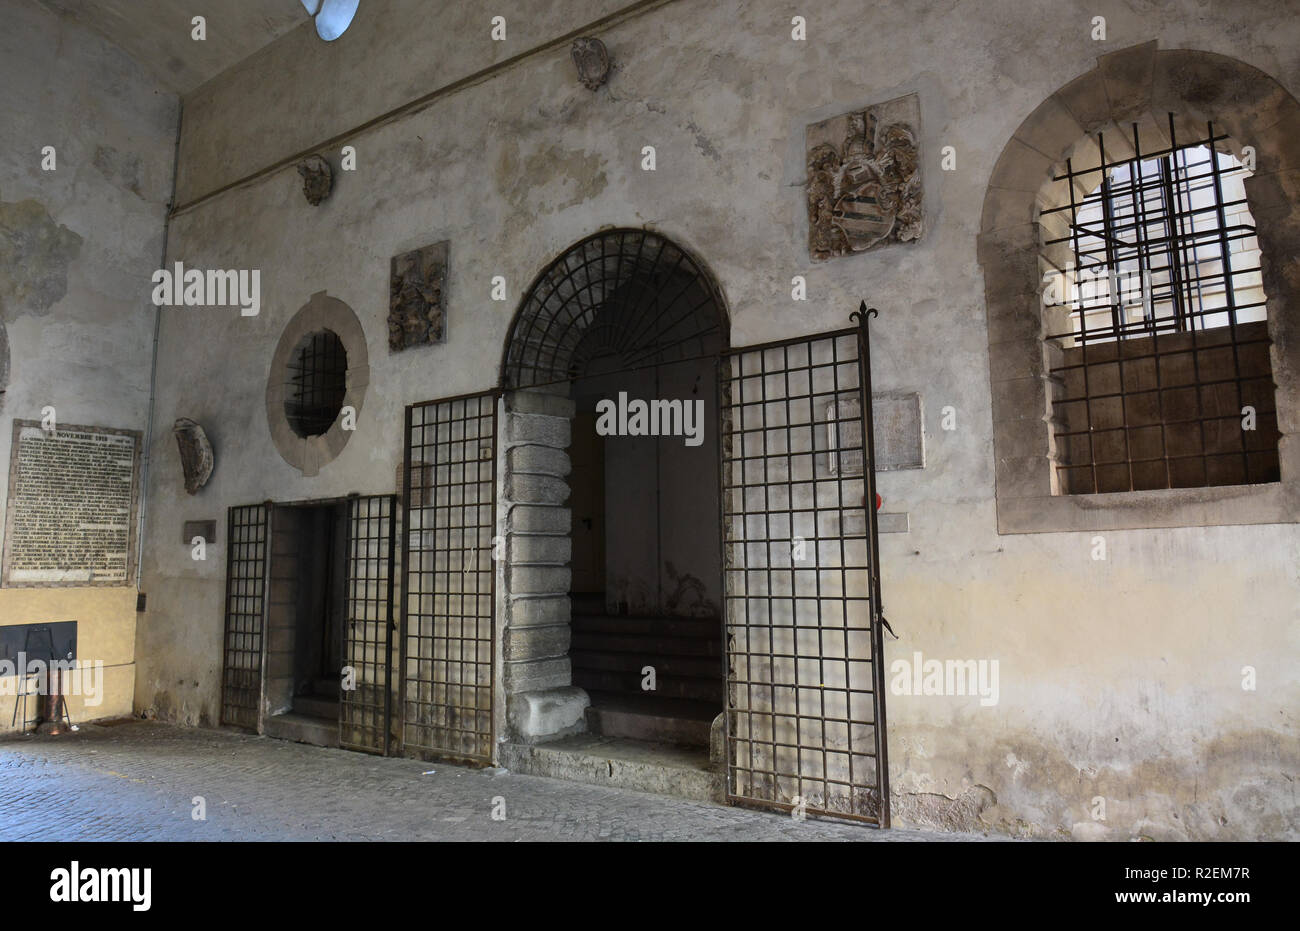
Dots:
{"x": 105, "y": 634}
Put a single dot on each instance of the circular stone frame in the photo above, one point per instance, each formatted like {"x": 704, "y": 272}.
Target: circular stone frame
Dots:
{"x": 308, "y": 454}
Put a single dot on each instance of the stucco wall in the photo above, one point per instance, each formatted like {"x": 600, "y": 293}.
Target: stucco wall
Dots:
{"x": 1119, "y": 679}
{"x": 77, "y": 247}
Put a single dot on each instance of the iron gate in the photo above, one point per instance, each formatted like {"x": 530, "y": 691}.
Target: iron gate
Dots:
{"x": 805, "y": 711}
{"x": 449, "y": 510}
{"x": 247, "y": 539}
{"x": 365, "y": 709}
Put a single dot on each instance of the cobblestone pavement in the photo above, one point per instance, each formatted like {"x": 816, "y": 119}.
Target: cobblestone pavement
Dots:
{"x": 136, "y": 781}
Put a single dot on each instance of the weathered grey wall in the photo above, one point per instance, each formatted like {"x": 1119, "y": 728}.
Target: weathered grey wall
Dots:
{"x": 77, "y": 247}
{"x": 1119, "y": 678}
{"x": 395, "y": 50}
{"x": 159, "y": 33}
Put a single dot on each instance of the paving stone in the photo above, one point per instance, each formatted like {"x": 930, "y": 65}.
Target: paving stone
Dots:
{"x": 137, "y": 781}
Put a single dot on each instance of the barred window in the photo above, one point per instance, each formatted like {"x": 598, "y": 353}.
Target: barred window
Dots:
{"x": 1157, "y": 338}
{"x": 317, "y": 383}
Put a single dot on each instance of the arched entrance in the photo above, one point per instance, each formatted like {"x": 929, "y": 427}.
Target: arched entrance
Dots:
{"x": 567, "y": 535}
{"x": 612, "y": 594}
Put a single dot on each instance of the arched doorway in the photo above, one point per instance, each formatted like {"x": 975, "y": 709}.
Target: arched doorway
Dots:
{"x": 579, "y": 542}
{"x": 610, "y": 503}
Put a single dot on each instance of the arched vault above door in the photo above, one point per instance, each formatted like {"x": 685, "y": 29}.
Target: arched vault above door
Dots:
{"x": 620, "y": 299}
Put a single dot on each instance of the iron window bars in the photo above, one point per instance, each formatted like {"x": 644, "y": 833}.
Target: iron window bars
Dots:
{"x": 1167, "y": 340}
{"x": 317, "y": 383}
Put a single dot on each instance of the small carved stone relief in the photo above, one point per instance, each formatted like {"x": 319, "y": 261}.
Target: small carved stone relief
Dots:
{"x": 196, "y": 453}
{"x": 317, "y": 179}
{"x": 592, "y": 59}
{"x": 416, "y": 300}
{"x": 864, "y": 179}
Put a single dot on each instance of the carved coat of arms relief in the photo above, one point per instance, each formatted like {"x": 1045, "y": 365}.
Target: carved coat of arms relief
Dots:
{"x": 864, "y": 180}
{"x": 417, "y": 304}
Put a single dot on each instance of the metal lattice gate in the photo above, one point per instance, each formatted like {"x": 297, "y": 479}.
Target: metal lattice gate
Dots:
{"x": 805, "y": 712}
{"x": 449, "y": 509}
{"x": 247, "y": 539}
{"x": 365, "y": 710}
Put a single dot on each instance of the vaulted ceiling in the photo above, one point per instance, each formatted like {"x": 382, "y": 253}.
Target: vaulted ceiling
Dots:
{"x": 157, "y": 33}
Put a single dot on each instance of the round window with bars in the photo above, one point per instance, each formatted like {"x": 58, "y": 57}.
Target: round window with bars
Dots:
{"x": 317, "y": 377}
{"x": 317, "y": 380}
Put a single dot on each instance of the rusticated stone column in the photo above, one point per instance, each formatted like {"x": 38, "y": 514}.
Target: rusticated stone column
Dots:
{"x": 541, "y": 700}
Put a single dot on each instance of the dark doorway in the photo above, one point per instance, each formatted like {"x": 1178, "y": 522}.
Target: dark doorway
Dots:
{"x": 646, "y": 622}
{"x": 627, "y": 316}
{"x": 318, "y": 646}
{"x": 305, "y": 618}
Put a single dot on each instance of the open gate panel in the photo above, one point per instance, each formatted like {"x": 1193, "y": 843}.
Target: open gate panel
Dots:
{"x": 365, "y": 709}
{"x": 447, "y": 634}
{"x": 247, "y": 539}
{"x": 805, "y": 716}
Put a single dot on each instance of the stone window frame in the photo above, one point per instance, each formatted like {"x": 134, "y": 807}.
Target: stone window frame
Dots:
{"x": 1133, "y": 85}
{"x": 310, "y": 453}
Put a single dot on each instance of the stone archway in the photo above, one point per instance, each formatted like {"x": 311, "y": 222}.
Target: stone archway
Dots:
{"x": 618, "y": 300}
{"x": 1135, "y": 85}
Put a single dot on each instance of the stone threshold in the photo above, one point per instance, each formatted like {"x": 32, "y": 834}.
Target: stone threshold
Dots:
{"x": 618, "y": 762}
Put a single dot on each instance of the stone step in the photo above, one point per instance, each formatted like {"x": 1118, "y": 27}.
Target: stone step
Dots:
{"x": 645, "y": 645}
{"x": 629, "y": 683}
{"x": 318, "y": 732}
{"x": 655, "y": 719}
{"x": 686, "y": 627}
{"x": 697, "y": 667}
{"x": 662, "y": 769}
{"x": 313, "y": 706}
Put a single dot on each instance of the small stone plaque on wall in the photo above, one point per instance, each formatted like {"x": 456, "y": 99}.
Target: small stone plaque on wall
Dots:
{"x": 207, "y": 529}
{"x": 864, "y": 179}
{"x": 73, "y": 493}
{"x": 417, "y": 305}
{"x": 900, "y": 443}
